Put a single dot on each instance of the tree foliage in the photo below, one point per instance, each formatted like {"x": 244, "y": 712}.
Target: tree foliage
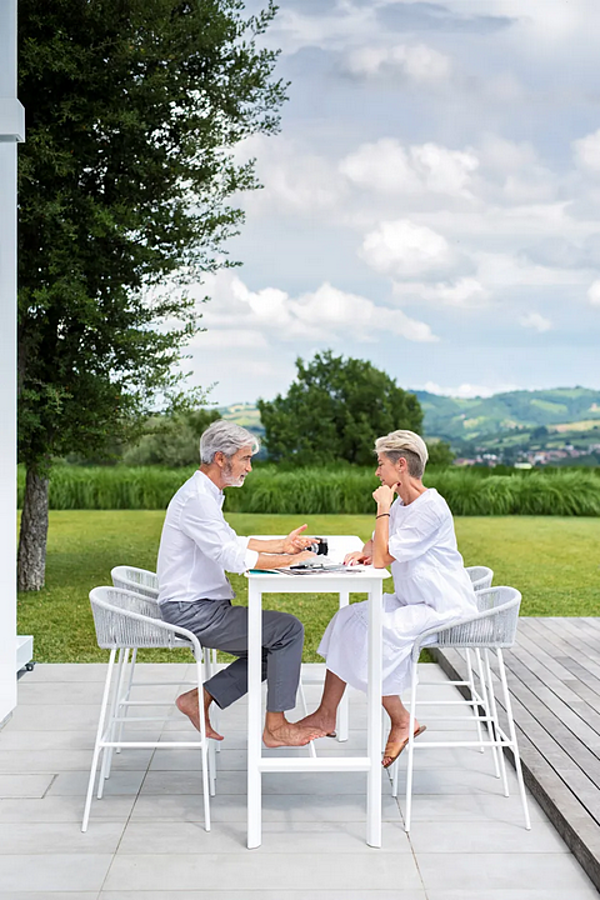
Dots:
{"x": 440, "y": 454}
{"x": 171, "y": 440}
{"x": 335, "y": 409}
{"x": 134, "y": 108}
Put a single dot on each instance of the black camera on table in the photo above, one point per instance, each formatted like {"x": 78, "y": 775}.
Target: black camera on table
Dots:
{"x": 319, "y": 546}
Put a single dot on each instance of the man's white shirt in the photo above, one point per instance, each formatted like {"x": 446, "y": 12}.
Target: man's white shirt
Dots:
{"x": 197, "y": 546}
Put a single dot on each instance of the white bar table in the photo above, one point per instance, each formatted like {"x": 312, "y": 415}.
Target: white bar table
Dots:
{"x": 368, "y": 580}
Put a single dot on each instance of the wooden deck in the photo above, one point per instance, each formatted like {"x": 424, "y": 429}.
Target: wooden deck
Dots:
{"x": 554, "y": 679}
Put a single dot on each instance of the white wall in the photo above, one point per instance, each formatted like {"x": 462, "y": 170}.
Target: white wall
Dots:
{"x": 10, "y": 129}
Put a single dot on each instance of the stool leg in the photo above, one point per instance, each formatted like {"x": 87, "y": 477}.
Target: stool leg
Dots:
{"x": 495, "y": 723}
{"x": 343, "y": 714}
{"x": 513, "y": 739}
{"x": 210, "y": 667}
{"x": 114, "y": 708}
{"x": 204, "y": 750}
{"x": 411, "y": 746}
{"x": 483, "y": 681}
{"x": 98, "y": 742}
{"x": 127, "y": 696}
{"x": 470, "y": 679}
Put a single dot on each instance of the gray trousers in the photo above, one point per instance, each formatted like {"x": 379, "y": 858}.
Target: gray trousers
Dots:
{"x": 216, "y": 623}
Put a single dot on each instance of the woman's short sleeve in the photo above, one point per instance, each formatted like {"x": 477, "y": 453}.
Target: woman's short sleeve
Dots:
{"x": 414, "y": 534}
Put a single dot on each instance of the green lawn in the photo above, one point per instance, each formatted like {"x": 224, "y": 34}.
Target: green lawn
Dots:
{"x": 553, "y": 561}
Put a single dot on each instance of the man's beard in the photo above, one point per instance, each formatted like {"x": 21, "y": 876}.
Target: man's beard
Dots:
{"x": 229, "y": 479}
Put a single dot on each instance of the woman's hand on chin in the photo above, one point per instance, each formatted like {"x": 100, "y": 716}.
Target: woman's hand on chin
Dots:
{"x": 384, "y": 497}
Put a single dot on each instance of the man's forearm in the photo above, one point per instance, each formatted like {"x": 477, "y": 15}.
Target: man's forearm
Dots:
{"x": 272, "y": 545}
{"x": 274, "y": 560}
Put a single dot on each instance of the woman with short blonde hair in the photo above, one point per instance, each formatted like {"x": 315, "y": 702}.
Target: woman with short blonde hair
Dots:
{"x": 414, "y": 534}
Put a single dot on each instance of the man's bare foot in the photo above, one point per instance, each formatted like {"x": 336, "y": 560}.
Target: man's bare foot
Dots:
{"x": 188, "y": 704}
{"x": 321, "y": 720}
{"x": 288, "y": 734}
{"x": 397, "y": 741}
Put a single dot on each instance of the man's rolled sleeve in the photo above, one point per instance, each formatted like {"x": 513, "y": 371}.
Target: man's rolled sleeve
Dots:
{"x": 250, "y": 556}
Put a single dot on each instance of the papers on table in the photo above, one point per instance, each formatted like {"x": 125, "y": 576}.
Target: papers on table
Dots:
{"x": 311, "y": 569}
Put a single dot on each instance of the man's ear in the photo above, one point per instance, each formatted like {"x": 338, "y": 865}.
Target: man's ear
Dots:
{"x": 220, "y": 458}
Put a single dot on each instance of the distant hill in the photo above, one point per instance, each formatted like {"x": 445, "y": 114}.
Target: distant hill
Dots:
{"x": 560, "y": 426}
{"x": 453, "y": 419}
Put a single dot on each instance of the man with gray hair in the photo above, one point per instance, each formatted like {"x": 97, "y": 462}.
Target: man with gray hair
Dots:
{"x": 197, "y": 547}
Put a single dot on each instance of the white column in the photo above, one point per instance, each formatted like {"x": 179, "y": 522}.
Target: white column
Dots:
{"x": 11, "y": 131}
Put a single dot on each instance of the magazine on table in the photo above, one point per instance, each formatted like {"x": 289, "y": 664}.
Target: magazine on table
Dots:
{"x": 311, "y": 568}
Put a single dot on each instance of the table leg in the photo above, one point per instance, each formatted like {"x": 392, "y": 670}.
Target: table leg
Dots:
{"x": 374, "y": 720}
{"x": 342, "y": 715}
{"x": 254, "y": 716}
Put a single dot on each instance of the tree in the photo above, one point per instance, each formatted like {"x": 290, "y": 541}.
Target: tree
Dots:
{"x": 171, "y": 440}
{"x": 440, "y": 453}
{"x": 133, "y": 110}
{"x": 335, "y": 410}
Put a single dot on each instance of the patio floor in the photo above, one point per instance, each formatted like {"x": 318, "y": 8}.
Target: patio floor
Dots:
{"x": 146, "y": 839}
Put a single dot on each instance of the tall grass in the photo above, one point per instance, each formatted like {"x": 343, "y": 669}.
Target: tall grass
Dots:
{"x": 330, "y": 490}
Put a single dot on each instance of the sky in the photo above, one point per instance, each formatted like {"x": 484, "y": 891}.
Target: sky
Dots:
{"x": 431, "y": 203}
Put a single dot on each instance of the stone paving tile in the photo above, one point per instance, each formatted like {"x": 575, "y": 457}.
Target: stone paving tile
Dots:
{"x": 278, "y": 808}
{"x": 323, "y": 872}
{"x": 473, "y": 837}
{"x": 53, "y": 872}
{"x": 480, "y": 807}
{"x": 58, "y": 837}
{"x": 65, "y": 809}
{"x": 51, "y": 895}
{"x": 298, "y": 837}
{"x": 28, "y": 786}
{"x": 261, "y": 894}
{"x": 125, "y": 781}
{"x": 519, "y": 893}
{"x": 234, "y": 782}
{"x": 486, "y": 871}
{"x": 55, "y": 717}
{"x": 54, "y": 761}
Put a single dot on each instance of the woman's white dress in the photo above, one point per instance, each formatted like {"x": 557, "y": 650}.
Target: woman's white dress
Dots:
{"x": 431, "y": 587}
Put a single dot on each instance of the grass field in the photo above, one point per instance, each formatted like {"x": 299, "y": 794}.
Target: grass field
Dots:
{"x": 553, "y": 561}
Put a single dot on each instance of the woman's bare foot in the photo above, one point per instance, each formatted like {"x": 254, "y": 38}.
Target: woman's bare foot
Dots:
{"x": 397, "y": 741}
{"x": 281, "y": 733}
{"x": 288, "y": 734}
{"x": 319, "y": 719}
{"x": 188, "y": 704}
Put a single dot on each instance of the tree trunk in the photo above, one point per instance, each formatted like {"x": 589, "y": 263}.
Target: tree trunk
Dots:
{"x": 31, "y": 564}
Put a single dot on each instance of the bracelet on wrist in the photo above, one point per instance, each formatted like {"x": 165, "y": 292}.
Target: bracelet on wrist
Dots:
{"x": 380, "y": 516}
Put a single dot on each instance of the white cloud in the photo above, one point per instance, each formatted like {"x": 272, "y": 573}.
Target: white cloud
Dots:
{"x": 418, "y": 62}
{"x": 536, "y": 321}
{"x": 332, "y": 309}
{"x": 587, "y": 152}
{"x": 504, "y": 156}
{"x": 383, "y": 166}
{"x": 444, "y": 171}
{"x": 295, "y": 179}
{"x": 507, "y": 270}
{"x": 464, "y": 293}
{"x": 386, "y": 166}
{"x": 243, "y": 318}
{"x": 468, "y": 391}
{"x": 594, "y": 293}
{"x": 229, "y": 339}
{"x": 403, "y": 249}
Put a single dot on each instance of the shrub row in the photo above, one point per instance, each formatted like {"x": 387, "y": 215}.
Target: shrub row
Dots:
{"x": 322, "y": 491}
